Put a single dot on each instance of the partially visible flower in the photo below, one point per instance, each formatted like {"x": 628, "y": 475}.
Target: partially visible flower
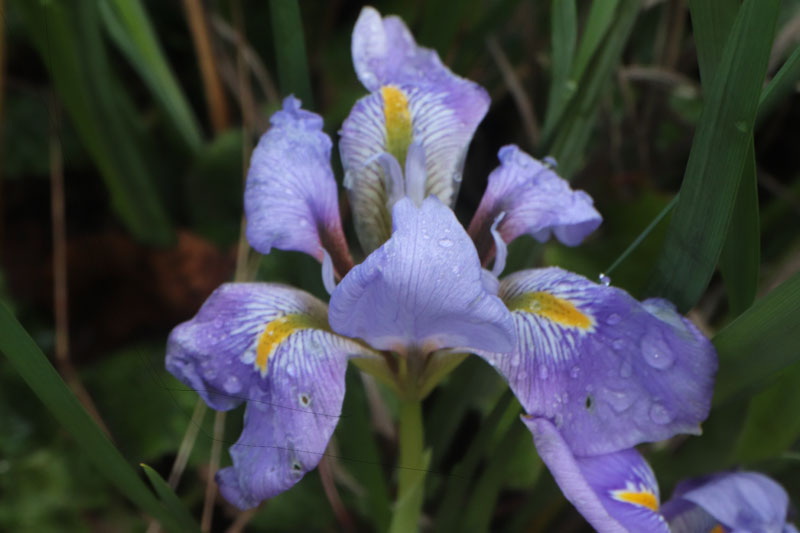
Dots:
{"x": 618, "y": 493}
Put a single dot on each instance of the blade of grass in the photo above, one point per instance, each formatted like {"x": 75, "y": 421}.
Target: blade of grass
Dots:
{"x": 760, "y": 342}
{"x": 723, "y": 139}
{"x": 569, "y": 134}
{"x": 131, "y": 30}
{"x": 47, "y": 385}
{"x": 170, "y": 500}
{"x": 564, "y": 24}
{"x": 712, "y": 21}
{"x": 290, "y": 50}
{"x": 781, "y": 86}
{"x": 69, "y": 41}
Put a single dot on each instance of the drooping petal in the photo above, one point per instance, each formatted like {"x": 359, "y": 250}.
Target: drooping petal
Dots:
{"x": 537, "y": 202}
{"x": 610, "y": 372}
{"x": 423, "y": 289}
{"x": 415, "y": 99}
{"x": 616, "y": 492}
{"x": 290, "y": 198}
{"x": 737, "y": 501}
{"x": 269, "y": 345}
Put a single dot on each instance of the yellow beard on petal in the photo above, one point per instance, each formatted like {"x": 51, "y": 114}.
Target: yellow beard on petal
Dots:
{"x": 717, "y": 529}
{"x": 398, "y": 122}
{"x": 551, "y": 307}
{"x": 642, "y": 499}
{"x": 276, "y": 332}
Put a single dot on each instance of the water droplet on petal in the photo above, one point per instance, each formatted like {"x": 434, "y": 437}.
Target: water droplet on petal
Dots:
{"x": 232, "y": 385}
{"x": 659, "y": 414}
{"x": 559, "y": 420}
{"x": 626, "y": 369}
{"x": 515, "y": 360}
{"x": 618, "y": 344}
{"x": 210, "y": 373}
{"x": 613, "y": 319}
{"x": 656, "y": 352}
{"x": 290, "y": 370}
{"x": 445, "y": 243}
{"x": 605, "y": 280}
{"x": 619, "y": 401}
{"x": 550, "y": 162}
{"x": 543, "y": 372}
{"x": 574, "y": 372}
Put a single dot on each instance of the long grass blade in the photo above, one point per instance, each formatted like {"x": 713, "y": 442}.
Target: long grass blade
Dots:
{"x": 760, "y": 342}
{"x": 170, "y": 500}
{"x": 129, "y": 26}
{"x": 723, "y": 139}
{"x": 781, "y": 85}
{"x": 564, "y": 23}
{"x": 47, "y": 385}
{"x": 290, "y": 50}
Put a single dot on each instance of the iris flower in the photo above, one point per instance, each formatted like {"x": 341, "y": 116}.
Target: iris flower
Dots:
{"x": 618, "y": 493}
{"x": 598, "y": 370}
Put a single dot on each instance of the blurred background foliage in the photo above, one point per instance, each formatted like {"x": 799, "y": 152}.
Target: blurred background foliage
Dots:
{"x": 126, "y": 127}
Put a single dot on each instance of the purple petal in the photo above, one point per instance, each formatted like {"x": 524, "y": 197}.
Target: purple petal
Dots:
{"x": 422, "y": 289}
{"x": 609, "y": 371}
{"x": 415, "y": 99}
{"x": 290, "y": 198}
{"x": 536, "y": 201}
{"x": 266, "y": 344}
{"x": 740, "y": 501}
{"x": 615, "y": 493}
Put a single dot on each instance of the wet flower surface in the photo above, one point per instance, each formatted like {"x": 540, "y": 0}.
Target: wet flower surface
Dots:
{"x": 596, "y": 371}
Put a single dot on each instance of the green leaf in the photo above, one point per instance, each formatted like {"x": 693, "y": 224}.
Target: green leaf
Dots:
{"x": 564, "y": 23}
{"x": 171, "y": 501}
{"x": 771, "y": 423}
{"x": 701, "y": 218}
{"x": 600, "y": 20}
{"x": 42, "y": 378}
{"x": 760, "y": 342}
{"x": 69, "y": 40}
{"x": 290, "y": 50}
{"x": 129, "y": 26}
{"x": 781, "y": 86}
{"x": 569, "y": 133}
{"x": 712, "y": 21}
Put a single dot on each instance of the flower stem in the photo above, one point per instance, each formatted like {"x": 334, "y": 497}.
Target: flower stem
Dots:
{"x": 411, "y": 468}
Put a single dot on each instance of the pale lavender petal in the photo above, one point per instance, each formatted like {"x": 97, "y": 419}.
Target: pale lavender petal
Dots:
{"x": 422, "y": 289}
{"x": 740, "y": 501}
{"x": 290, "y": 198}
{"x": 610, "y": 372}
{"x": 616, "y": 493}
{"x": 537, "y": 202}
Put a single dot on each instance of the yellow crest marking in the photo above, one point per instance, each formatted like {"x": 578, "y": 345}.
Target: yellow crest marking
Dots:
{"x": 551, "y": 307}
{"x": 398, "y": 122}
{"x": 717, "y": 529}
{"x": 278, "y": 331}
{"x": 642, "y": 499}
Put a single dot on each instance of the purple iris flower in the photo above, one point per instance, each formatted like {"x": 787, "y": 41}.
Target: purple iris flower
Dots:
{"x": 600, "y": 370}
{"x": 618, "y": 493}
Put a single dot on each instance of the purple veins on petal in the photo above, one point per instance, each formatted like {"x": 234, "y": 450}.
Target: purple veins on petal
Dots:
{"x": 422, "y": 289}
{"x": 290, "y": 197}
{"x": 267, "y": 345}
{"x": 615, "y": 492}
{"x": 631, "y": 372}
{"x": 537, "y": 202}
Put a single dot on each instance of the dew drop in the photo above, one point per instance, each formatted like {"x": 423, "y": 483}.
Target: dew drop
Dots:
{"x": 656, "y": 352}
{"x": 210, "y": 373}
{"x": 559, "y": 420}
{"x": 574, "y": 372}
{"x": 232, "y": 385}
{"x": 613, "y": 319}
{"x": 619, "y": 401}
{"x": 544, "y": 372}
{"x": 550, "y": 162}
{"x": 659, "y": 414}
{"x": 445, "y": 243}
{"x": 626, "y": 369}
{"x": 618, "y": 344}
{"x": 522, "y": 374}
{"x": 605, "y": 280}
{"x": 741, "y": 126}
{"x": 515, "y": 360}
{"x": 290, "y": 370}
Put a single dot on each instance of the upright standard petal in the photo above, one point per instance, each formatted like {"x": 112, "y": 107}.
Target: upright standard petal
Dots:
{"x": 616, "y": 492}
{"x": 269, "y": 345}
{"x": 290, "y": 198}
{"x": 610, "y": 372}
{"x": 415, "y": 99}
{"x": 423, "y": 289}
{"x": 536, "y": 201}
{"x": 731, "y": 501}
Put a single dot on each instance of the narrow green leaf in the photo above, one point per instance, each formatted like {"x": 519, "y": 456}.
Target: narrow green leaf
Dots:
{"x": 712, "y": 21}
{"x": 564, "y": 24}
{"x": 760, "y": 342}
{"x": 782, "y": 85}
{"x": 170, "y": 500}
{"x": 567, "y": 138}
{"x": 701, "y": 218}
{"x": 69, "y": 41}
{"x": 129, "y": 26}
{"x": 740, "y": 259}
{"x": 290, "y": 50}
{"x": 771, "y": 424}
{"x": 36, "y": 370}
{"x": 601, "y": 18}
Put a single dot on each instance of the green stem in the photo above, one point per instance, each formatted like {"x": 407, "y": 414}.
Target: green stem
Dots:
{"x": 411, "y": 468}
